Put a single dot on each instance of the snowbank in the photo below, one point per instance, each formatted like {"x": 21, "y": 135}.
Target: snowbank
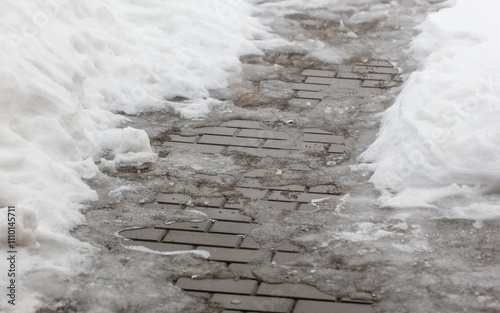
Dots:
{"x": 439, "y": 145}
{"x": 67, "y": 65}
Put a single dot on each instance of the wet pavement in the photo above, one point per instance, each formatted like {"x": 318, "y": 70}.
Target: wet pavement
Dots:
{"x": 230, "y": 214}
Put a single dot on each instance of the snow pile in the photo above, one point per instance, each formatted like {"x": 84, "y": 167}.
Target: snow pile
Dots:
{"x": 439, "y": 145}
{"x": 67, "y": 65}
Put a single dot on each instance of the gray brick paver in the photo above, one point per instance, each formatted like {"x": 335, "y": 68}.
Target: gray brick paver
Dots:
{"x": 252, "y": 303}
{"x": 369, "y": 76}
{"x": 158, "y": 246}
{"x": 318, "y": 73}
{"x": 233, "y": 228}
{"x": 205, "y": 239}
{"x": 245, "y": 287}
{"x": 205, "y": 149}
{"x": 224, "y": 214}
{"x": 173, "y": 198}
{"x": 230, "y": 141}
{"x": 294, "y": 145}
{"x": 236, "y": 255}
{"x": 323, "y": 138}
{"x": 191, "y": 226}
{"x": 222, "y": 131}
{"x": 298, "y": 291}
{"x": 243, "y": 124}
{"x": 179, "y": 138}
{"x": 263, "y": 133}
{"x": 258, "y": 152}
{"x": 143, "y": 234}
{"x": 309, "y": 306}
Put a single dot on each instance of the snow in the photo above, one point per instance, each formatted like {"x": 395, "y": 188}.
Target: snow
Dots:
{"x": 439, "y": 144}
{"x": 67, "y": 68}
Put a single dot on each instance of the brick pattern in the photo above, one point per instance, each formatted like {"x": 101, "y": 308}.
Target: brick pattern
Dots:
{"x": 226, "y": 234}
{"x": 227, "y": 237}
{"x": 345, "y": 82}
{"x": 254, "y": 138}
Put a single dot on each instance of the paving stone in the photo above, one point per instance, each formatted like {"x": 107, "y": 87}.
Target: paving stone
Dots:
{"x": 204, "y": 239}
{"x": 263, "y": 153}
{"x": 329, "y": 189}
{"x": 315, "y": 131}
{"x": 252, "y": 193}
{"x": 242, "y": 270}
{"x": 233, "y": 228}
{"x": 309, "y": 306}
{"x": 245, "y": 287}
{"x": 318, "y": 73}
{"x": 249, "y": 243}
{"x": 243, "y": 124}
{"x": 378, "y": 84}
{"x": 152, "y": 234}
{"x": 227, "y": 311}
{"x": 293, "y": 291}
{"x": 302, "y": 102}
{"x": 294, "y": 145}
{"x": 294, "y": 196}
{"x": 224, "y": 214}
{"x": 191, "y": 226}
{"x": 322, "y": 138}
{"x": 178, "y": 138}
{"x": 236, "y": 255}
{"x": 311, "y": 95}
{"x": 204, "y": 295}
{"x": 249, "y": 183}
{"x": 264, "y": 133}
{"x": 206, "y": 149}
{"x": 364, "y": 76}
{"x": 222, "y": 131}
{"x": 229, "y": 141}
{"x": 334, "y": 148}
{"x": 332, "y": 84}
{"x": 173, "y": 198}
{"x": 257, "y": 304}
{"x": 354, "y": 300}
{"x": 286, "y": 257}
{"x": 264, "y": 204}
{"x": 289, "y": 188}
{"x": 307, "y": 87}
{"x": 158, "y": 246}
{"x": 210, "y": 201}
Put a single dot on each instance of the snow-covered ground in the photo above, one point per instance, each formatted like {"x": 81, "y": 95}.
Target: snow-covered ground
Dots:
{"x": 439, "y": 144}
{"x": 67, "y": 66}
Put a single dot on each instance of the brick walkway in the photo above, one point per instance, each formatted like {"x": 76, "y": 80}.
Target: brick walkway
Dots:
{"x": 227, "y": 231}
